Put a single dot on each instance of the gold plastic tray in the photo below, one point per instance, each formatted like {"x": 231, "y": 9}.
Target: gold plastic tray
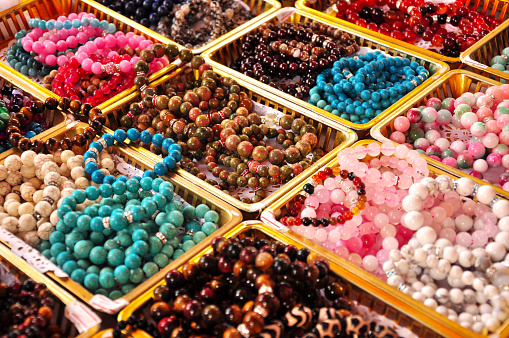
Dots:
{"x": 332, "y": 136}
{"x": 193, "y": 195}
{"x": 54, "y": 118}
{"x": 356, "y": 289}
{"x": 453, "y": 84}
{"x": 223, "y": 54}
{"x": 16, "y": 19}
{"x": 491, "y": 7}
{"x": 479, "y": 56}
{"x": 405, "y": 304}
{"x": 19, "y": 268}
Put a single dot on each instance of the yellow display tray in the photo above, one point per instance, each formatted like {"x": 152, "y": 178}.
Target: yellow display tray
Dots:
{"x": 55, "y": 118}
{"x": 498, "y": 8}
{"x": 16, "y": 18}
{"x": 20, "y": 269}
{"x": 405, "y": 304}
{"x": 381, "y": 301}
{"x": 479, "y": 56}
{"x": 332, "y": 136}
{"x": 193, "y": 195}
{"x": 453, "y": 84}
{"x": 223, "y": 54}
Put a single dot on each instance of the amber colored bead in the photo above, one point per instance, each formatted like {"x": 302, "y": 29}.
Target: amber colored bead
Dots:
{"x": 249, "y": 306}
{"x": 180, "y": 303}
{"x": 66, "y": 143}
{"x": 336, "y": 171}
{"x": 89, "y": 133}
{"x": 363, "y": 198}
{"x": 239, "y": 269}
{"x": 355, "y": 211}
{"x": 64, "y": 103}
{"x": 37, "y": 146}
{"x": 14, "y": 139}
{"x": 14, "y": 122}
{"x": 45, "y": 312}
{"x": 52, "y": 144}
{"x": 327, "y": 171}
{"x": 313, "y": 258}
{"x": 254, "y": 322}
{"x": 27, "y": 112}
{"x": 37, "y": 107}
{"x": 361, "y": 205}
{"x": 264, "y": 280}
{"x": 264, "y": 261}
{"x": 344, "y": 174}
{"x": 315, "y": 178}
{"x": 159, "y": 310}
{"x": 333, "y": 221}
{"x": 233, "y": 314}
{"x": 21, "y": 117}
{"x": 79, "y": 140}
{"x": 348, "y": 215}
{"x": 190, "y": 271}
{"x": 51, "y": 103}
{"x": 75, "y": 106}
{"x": 13, "y": 129}
{"x": 232, "y": 333}
{"x": 24, "y": 143}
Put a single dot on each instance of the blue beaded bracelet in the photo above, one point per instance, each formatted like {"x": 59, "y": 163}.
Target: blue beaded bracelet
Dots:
{"x": 160, "y": 169}
{"x": 75, "y": 23}
{"x": 358, "y": 88}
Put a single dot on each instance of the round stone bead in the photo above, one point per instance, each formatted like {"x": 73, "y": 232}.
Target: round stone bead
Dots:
{"x": 91, "y": 281}
{"x": 136, "y": 275}
{"x": 116, "y": 257}
{"x": 132, "y": 261}
{"x": 121, "y": 274}
{"x": 150, "y": 269}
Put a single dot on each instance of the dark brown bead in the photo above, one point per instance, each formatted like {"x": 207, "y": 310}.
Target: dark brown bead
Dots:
{"x": 27, "y": 112}
{"x": 86, "y": 108}
{"x": 96, "y": 125}
{"x": 37, "y": 146}
{"x": 21, "y": 117}
{"x": 24, "y": 143}
{"x": 64, "y": 103}
{"x": 37, "y": 107}
{"x": 14, "y": 139}
{"x": 190, "y": 271}
{"x": 52, "y": 144}
{"x": 14, "y": 122}
{"x": 75, "y": 106}
{"x": 51, "y": 103}
{"x": 66, "y": 143}
{"x": 79, "y": 140}
{"x": 89, "y": 133}
{"x": 13, "y": 129}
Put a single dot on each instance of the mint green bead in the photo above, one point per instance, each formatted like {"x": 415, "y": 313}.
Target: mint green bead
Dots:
{"x": 201, "y": 210}
{"x": 211, "y": 216}
{"x": 107, "y": 280}
{"x": 115, "y": 257}
{"x": 111, "y": 244}
{"x": 127, "y": 288}
{"x": 462, "y": 109}
{"x": 209, "y": 228}
{"x": 498, "y": 67}
{"x": 69, "y": 266}
{"x": 98, "y": 255}
{"x": 178, "y": 253}
{"x": 189, "y": 212}
{"x": 93, "y": 269}
{"x": 91, "y": 282}
{"x": 122, "y": 274}
{"x": 150, "y": 269}
{"x": 176, "y": 217}
{"x": 155, "y": 245}
{"x": 161, "y": 260}
{"x": 498, "y": 60}
{"x": 136, "y": 275}
{"x": 167, "y": 250}
{"x": 78, "y": 275}
{"x": 188, "y": 245}
{"x": 115, "y": 294}
{"x": 199, "y": 236}
{"x": 101, "y": 292}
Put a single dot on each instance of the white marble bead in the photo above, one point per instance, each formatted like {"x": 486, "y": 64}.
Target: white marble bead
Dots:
{"x": 417, "y": 286}
{"x": 73, "y": 162}
{"x": 411, "y": 203}
{"x": 418, "y": 296}
{"x": 419, "y": 190}
{"x": 445, "y": 183}
{"x": 3, "y": 172}
{"x": 456, "y": 295}
{"x": 81, "y": 183}
{"x": 431, "y": 184}
{"x": 431, "y": 303}
{"x": 66, "y": 155}
{"x": 490, "y": 291}
{"x": 463, "y": 222}
{"x": 426, "y": 235}
{"x": 496, "y": 250}
{"x": 414, "y": 220}
{"x": 12, "y": 196}
{"x": 468, "y": 277}
{"x": 45, "y": 230}
{"x": 5, "y": 188}
{"x": 503, "y": 238}
{"x": 501, "y": 208}
{"x": 38, "y": 195}
{"x": 466, "y": 259}
{"x": 27, "y": 223}
{"x": 56, "y": 157}
{"x": 485, "y": 194}
{"x": 428, "y": 291}
{"x": 77, "y": 172}
{"x": 465, "y": 186}
{"x": 31, "y": 238}
{"x": 10, "y": 224}
{"x": 466, "y": 317}
{"x": 108, "y": 164}
{"x": 13, "y": 163}
{"x": 395, "y": 281}
{"x": 12, "y": 208}
{"x": 43, "y": 208}
{"x": 39, "y": 160}
{"x": 14, "y": 178}
{"x": 503, "y": 224}
{"x": 27, "y": 157}
{"x": 27, "y": 172}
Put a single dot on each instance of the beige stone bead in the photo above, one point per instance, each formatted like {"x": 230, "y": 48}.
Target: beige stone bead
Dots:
{"x": 27, "y": 172}
{"x": 66, "y": 155}
{"x": 56, "y": 157}
{"x": 12, "y": 208}
{"x": 108, "y": 164}
{"x": 27, "y": 191}
{"x": 77, "y": 172}
{"x": 73, "y": 162}
{"x": 32, "y": 238}
{"x": 10, "y": 224}
{"x": 26, "y": 208}
{"x": 12, "y": 196}
{"x": 40, "y": 159}
{"x": 3, "y": 172}
{"x": 53, "y": 218}
{"x": 35, "y": 182}
{"x": 13, "y": 163}
{"x": 43, "y": 208}
{"x": 45, "y": 230}
{"x": 26, "y": 222}
{"x": 38, "y": 195}
{"x": 28, "y": 158}
{"x": 14, "y": 178}
{"x": 64, "y": 170}
{"x": 81, "y": 183}
{"x": 5, "y": 188}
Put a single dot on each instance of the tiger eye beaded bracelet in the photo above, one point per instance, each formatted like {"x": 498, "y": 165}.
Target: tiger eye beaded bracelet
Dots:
{"x": 253, "y": 288}
{"x": 213, "y": 120}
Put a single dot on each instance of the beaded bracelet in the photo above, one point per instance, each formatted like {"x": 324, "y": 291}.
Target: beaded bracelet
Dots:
{"x": 127, "y": 217}
{"x": 372, "y": 80}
